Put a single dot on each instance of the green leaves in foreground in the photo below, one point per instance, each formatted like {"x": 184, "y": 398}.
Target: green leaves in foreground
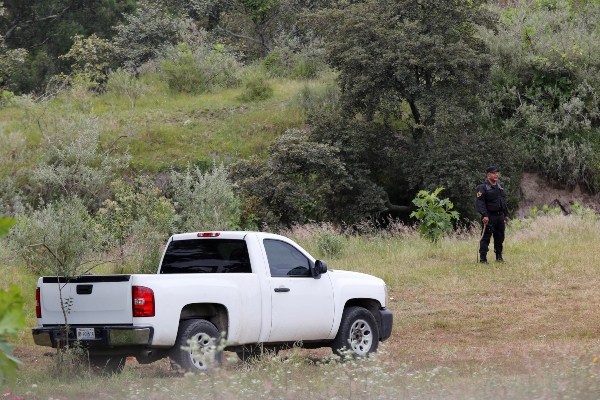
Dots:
{"x": 12, "y": 321}
{"x": 434, "y": 214}
{"x": 5, "y": 225}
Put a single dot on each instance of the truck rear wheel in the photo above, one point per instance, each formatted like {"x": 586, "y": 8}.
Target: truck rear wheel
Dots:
{"x": 358, "y": 333}
{"x": 196, "y": 347}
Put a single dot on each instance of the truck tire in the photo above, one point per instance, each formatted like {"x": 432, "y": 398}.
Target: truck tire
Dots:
{"x": 358, "y": 333}
{"x": 200, "y": 359}
{"x": 107, "y": 365}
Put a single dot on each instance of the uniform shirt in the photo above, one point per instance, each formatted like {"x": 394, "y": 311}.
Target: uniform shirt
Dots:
{"x": 491, "y": 198}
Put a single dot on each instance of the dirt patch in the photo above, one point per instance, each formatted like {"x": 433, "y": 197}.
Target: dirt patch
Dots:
{"x": 535, "y": 192}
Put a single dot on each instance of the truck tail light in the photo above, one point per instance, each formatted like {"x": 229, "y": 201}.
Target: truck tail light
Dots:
{"x": 38, "y": 304}
{"x": 143, "y": 301}
{"x": 208, "y": 234}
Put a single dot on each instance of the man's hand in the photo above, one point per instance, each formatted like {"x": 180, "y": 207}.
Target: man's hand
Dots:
{"x": 485, "y": 220}
{"x": 506, "y": 220}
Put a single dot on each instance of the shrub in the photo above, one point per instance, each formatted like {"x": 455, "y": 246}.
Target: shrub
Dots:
{"x": 256, "y": 88}
{"x": 136, "y": 223}
{"x": 434, "y": 214}
{"x": 330, "y": 244}
{"x": 200, "y": 69}
{"x": 122, "y": 83}
{"x": 205, "y": 201}
{"x": 75, "y": 164}
{"x": 58, "y": 239}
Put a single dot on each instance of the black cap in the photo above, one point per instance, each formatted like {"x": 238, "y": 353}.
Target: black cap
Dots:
{"x": 490, "y": 169}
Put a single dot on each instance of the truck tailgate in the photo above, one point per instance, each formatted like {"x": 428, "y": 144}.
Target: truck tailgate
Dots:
{"x": 92, "y": 300}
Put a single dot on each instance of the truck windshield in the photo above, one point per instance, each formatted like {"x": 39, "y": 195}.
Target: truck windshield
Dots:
{"x": 196, "y": 256}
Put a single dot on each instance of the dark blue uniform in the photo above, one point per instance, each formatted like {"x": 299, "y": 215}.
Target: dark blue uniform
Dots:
{"x": 491, "y": 203}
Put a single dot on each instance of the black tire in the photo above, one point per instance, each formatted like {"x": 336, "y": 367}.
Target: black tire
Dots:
{"x": 358, "y": 332}
{"x": 107, "y": 365}
{"x": 251, "y": 352}
{"x": 207, "y": 356}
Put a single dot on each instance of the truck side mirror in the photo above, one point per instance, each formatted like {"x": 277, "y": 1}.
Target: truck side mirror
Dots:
{"x": 321, "y": 266}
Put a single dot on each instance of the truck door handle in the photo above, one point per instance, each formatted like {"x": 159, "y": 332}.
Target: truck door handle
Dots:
{"x": 282, "y": 289}
{"x": 84, "y": 289}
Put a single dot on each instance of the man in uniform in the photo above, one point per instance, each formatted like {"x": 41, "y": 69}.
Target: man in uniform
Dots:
{"x": 491, "y": 204}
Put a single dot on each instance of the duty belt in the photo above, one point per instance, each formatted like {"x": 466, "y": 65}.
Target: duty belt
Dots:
{"x": 496, "y": 212}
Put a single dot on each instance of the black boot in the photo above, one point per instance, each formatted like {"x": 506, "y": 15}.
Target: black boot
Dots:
{"x": 483, "y": 258}
{"x": 499, "y": 258}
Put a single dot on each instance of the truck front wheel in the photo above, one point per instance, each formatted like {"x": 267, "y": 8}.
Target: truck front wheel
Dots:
{"x": 196, "y": 348}
{"x": 358, "y": 333}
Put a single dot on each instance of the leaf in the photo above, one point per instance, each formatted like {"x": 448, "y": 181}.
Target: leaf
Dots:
{"x": 6, "y": 224}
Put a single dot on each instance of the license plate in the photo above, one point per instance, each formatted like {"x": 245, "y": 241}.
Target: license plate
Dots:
{"x": 86, "y": 334}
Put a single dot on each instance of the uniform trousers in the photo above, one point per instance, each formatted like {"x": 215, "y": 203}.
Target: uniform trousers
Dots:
{"x": 495, "y": 228}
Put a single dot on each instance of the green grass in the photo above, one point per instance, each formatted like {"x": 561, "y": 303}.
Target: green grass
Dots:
{"x": 527, "y": 329}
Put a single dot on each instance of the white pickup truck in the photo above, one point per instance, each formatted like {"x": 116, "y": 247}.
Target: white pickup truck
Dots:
{"x": 250, "y": 288}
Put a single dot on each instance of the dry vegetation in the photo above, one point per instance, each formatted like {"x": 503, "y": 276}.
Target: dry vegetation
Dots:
{"x": 527, "y": 329}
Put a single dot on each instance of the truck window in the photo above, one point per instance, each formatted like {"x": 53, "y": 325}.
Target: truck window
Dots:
{"x": 285, "y": 260}
{"x": 197, "y": 256}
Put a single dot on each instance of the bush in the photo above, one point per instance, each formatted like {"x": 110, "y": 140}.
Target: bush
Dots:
{"x": 59, "y": 239}
{"x": 434, "y": 214}
{"x": 136, "y": 222}
{"x": 75, "y": 164}
{"x": 12, "y": 322}
{"x": 205, "y": 201}
{"x": 330, "y": 244}
{"x": 256, "y": 88}
{"x": 200, "y": 69}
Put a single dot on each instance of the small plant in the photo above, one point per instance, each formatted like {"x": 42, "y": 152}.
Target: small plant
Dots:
{"x": 256, "y": 88}
{"x": 545, "y": 210}
{"x": 330, "y": 244}
{"x": 12, "y": 321}
{"x": 584, "y": 212}
{"x": 434, "y": 214}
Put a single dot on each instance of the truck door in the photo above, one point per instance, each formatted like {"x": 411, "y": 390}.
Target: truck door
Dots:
{"x": 302, "y": 307}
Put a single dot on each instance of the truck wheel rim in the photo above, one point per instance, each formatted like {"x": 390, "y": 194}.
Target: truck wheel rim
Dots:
{"x": 361, "y": 337}
{"x": 202, "y": 351}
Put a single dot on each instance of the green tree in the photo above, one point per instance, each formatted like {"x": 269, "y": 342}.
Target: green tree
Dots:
{"x": 410, "y": 75}
{"x": 302, "y": 181}
{"x": 545, "y": 86}
{"x": 45, "y": 28}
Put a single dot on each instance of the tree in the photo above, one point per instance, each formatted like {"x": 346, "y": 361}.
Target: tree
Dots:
{"x": 45, "y": 29}
{"x": 410, "y": 74}
{"x": 545, "y": 87}
{"x": 302, "y": 181}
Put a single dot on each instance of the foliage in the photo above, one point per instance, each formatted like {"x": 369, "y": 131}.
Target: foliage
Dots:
{"x": 200, "y": 69}
{"x": 583, "y": 212}
{"x": 46, "y": 28}
{"x": 205, "y": 201}
{"x": 546, "y": 210}
{"x": 123, "y": 83}
{"x": 12, "y": 322}
{"x": 75, "y": 164}
{"x": 145, "y": 34}
{"x": 58, "y": 239}
{"x": 330, "y": 244}
{"x": 10, "y": 61}
{"x": 294, "y": 57}
{"x": 544, "y": 87}
{"x": 434, "y": 214}
{"x": 91, "y": 57}
{"x": 410, "y": 75}
{"x": 136, "y": 222}
{"x": 301, "y": 180}
{"x": 313, "y": 98}
{"x": 256, "y": 87}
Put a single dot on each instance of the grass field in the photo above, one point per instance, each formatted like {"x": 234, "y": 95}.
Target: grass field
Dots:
{"x": 526, "y": 329}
